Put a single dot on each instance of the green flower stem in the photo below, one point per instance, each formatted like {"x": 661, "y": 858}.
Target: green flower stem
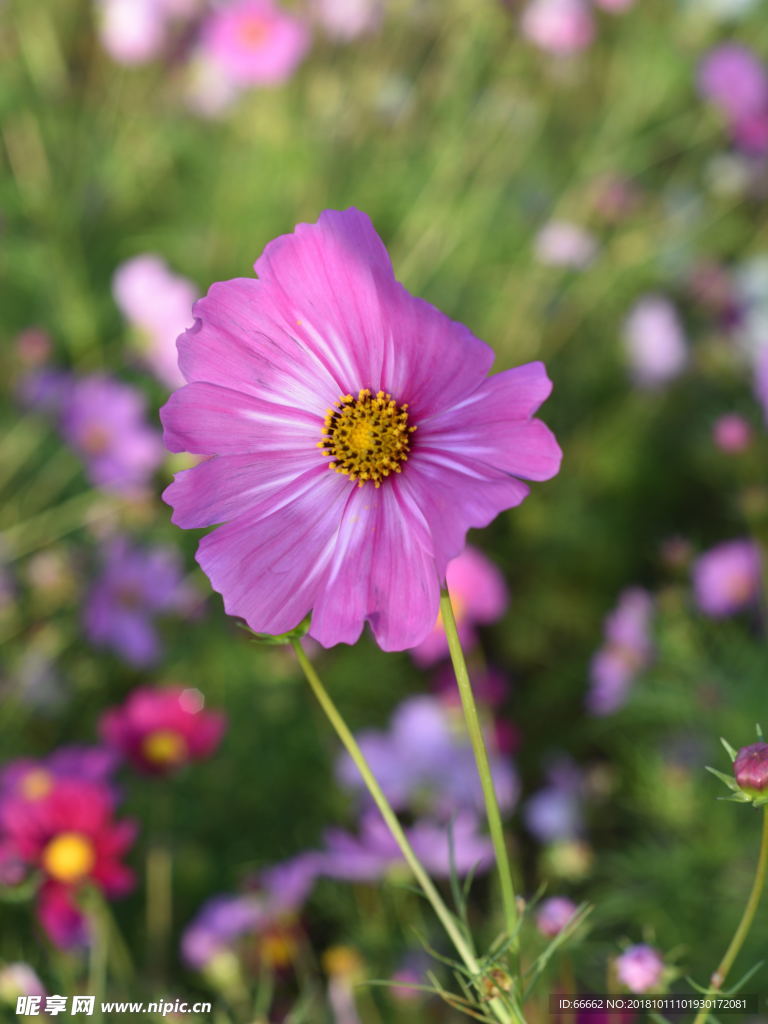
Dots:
{"x": 472, "y": 718}
{"x": 98, "y": 956}
{"x": 718, "y": 978}
{"x": 350, "y": 743}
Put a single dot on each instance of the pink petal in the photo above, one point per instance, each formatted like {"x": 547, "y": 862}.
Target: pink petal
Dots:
{"x": 270, "y": 570}
{"x": 383, "y": 571}
{"x": 228, "y": 486}
{"x": 212, "y": 420}
{"x": 493, "y": 428}
{"x": 334, "y": 281}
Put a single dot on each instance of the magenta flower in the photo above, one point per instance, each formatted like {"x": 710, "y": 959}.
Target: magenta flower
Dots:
{"x": 104, "y": 421}
{"x": 478, "y": 595}
{"x": 626, "y": 651}
{"x": 158, "y": 304}
{"x": 327, "y": 363}
{"x": 554, "y": 914}
{"x": 159, "y": 730}
{"x": 640, "y": 968}
{"x": 731, "y": 433}
{"x": 31, "y": 780}
{"x": 560, "y": 27}
{"x": 255, "y": 42}
{"x": 751, "y": 769}
{"x": 136, "y": 586}
{"x": 726, "y": 579}
{"x": 71, "y": 838}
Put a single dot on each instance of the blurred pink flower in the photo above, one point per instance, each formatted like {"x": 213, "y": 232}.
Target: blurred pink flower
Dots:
{"x": 614, "y": 6}
{"x": 561, "y": 27}
{"x": 255, "y": 42}
{"x": 19, "y": 979}
{"x": 478, "y": 595}
{"x": 554, "y": 914}
{"x": 325, "y": 364}
{"x": 654, "y": 342}
{"x": 157, "y": 303}
{"x": 563, "y": 244}
{"x": 731, "y": 433}
{"x": 640, "y": 968}
{"x": 346, "y": 19}
{"x": 726, "y": 579}
{"x": 71, "y": 838}
{"x": 161, "y": 729}
{"x": 131, "y": 31}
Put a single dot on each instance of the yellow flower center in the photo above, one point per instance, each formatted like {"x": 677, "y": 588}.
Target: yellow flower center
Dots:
{"x": 69, "y": 857}
{"x": 164, "y": 747}
{"x": 367, "y": 437}
{"x": 36, "y": 784}
{"x": 278, "y": 948}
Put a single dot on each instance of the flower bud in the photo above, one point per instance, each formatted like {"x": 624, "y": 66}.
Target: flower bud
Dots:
{"x": 751, "y": 771}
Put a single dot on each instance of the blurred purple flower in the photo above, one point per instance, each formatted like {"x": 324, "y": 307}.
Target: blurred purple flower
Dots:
{"x": 640, "y": 968}
{"x": 225, "y": 919}
{"x": 734, "y": 79}
{"x": 158, "y": 303}
{"x": 135, "y": 586}
{"x": 13, "y": 868}
{"x": 563, "y": 244}
{"x": 373, "y": 853}
{"x": 255, "y": 42}
{"x": 424, "y": 763}
{"x": 555, "y": 812}
{"x": 554, "y": 914}
{"x": 654, "y": 341}
{"x": 104, "y": 421}
{"x": 614, "y": 6}
{"x": 218, "y": 925}
{"x": 627, "y": 649}
{"x": 561, "y": 27}
{"x": 478, "y": 595}
{"x": 726, "y": 579}
{"x": 345, "y": 20}
{"x": 45, "y": 389}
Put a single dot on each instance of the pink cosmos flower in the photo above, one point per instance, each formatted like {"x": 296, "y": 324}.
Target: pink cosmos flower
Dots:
{"x": 734, "y": 79}
{"x": 255, "y": 42}
{"x": 726, "y": 579}
{"x": 640, "y": 968}
{"x": 626, "y": 651}
{"x": 19, "y": 979}
{"x": 478, "y": 595}
{"x": 327, "y": 363}
{"x": 731, "y": 433}
{"x": 158, "y": 303}
{"x": 561, "y": 27}
{"x": 159, "y": 730}
{"x": 554, "y": 914}
{"x": 131, "y": 31}
{"x": 71, "y": 838}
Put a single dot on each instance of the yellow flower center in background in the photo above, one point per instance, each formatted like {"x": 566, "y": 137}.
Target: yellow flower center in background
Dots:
{"x": 278, "y": 948}
{"x": 36, "y": 784}
{"x": 367, "y": 437}
{"x": 69, "y": 857}
{"x": 164, "y": 747}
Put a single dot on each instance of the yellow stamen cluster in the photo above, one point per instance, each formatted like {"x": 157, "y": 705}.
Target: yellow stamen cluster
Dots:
{"x": 367, "y": 437}
{"x": 69, "y": 857}
{"x": 165, "y": 747}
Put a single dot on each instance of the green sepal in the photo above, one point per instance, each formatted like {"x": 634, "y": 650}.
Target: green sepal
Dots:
{"x": 728, "y": 780}
{"x": 268, "y": 640}
{"x": 729, "y": 749}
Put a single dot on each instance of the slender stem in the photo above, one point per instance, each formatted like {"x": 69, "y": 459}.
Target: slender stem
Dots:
{"x": 475, "y": 731}
{"x": 353, "y": 749}
{"x": 718, "y": 978}
{"x": 159, "y": 888}
{"x": 98, "y": 956}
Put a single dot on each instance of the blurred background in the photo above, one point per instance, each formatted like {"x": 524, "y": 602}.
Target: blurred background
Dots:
{"x": 578, "y": 181}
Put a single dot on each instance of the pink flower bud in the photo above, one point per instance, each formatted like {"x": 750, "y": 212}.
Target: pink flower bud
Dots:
{"x": 751, "y": 769}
